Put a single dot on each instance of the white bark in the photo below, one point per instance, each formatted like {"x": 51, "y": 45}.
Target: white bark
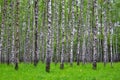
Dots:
{"x": 72, "y": 34}
{"x": 63, "y": 35}
{"x": 48, "y": 52}
{"x": 2, "y": 32}
{"x": 78, "y": 34}
{"x": 36, "y": 33}
{"x": 17, "y": 35}
{"x": 13, "y": 34}
{"x": 27, "y": 42}
{"x": 95, "y": 35}
{"x": 111, "y": 49}
{"x": 105, "y": 34}
{"x": 88, "y": 31}
{"x": 111, "y": 32}
{"x": 9, "y": 30}
{"x": 57, "y": 31}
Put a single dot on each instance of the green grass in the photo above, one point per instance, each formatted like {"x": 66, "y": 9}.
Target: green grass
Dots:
{"x": 82, "y": 72}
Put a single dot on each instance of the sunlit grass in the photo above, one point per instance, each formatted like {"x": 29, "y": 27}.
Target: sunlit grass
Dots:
{"x": 82, "y": 72}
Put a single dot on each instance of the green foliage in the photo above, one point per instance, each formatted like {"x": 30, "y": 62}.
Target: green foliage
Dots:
{"x": 82, "y": 72}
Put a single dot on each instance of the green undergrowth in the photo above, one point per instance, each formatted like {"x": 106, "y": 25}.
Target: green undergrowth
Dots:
{"x": 81, "y": 72}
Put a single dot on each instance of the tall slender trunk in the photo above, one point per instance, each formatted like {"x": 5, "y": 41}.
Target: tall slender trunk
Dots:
{"x": 9, "y": 32}
{"x": 13, "y": 33}
{"x": 78, "y": 33}
{"x": 33, "y": 35}
{"x": 68, "y": 32}
{"x": 95, "y": 35}
{"x": 116, "y": 44}
{"x": 72, "y": 34}
{"x": 114, "y": 32}
{"x": 27, "y": 41}
{"x": 48, "y": 52}
{"x": 101, "y": 32}
{"x": 43, "y": 34}
{"x": 57, "y": 32}
{"x": 105, "y": 34}
{"x": 2, "y": 30}
{"x": 111, "y": 42}
{"x": 63, "y": 35}
{"x": 52, "y": 34}
{"x": 17, "y": 35}
{"x": 36, "y": 33}
{"x": 88, "y": 30}
{"x": 98, "y": 44}
{"x": 83, "y": 31}
{"x": 111, "y": 32}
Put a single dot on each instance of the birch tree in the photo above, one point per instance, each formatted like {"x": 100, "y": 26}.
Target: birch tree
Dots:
{"x": 43, "y": 33}
{"x": 2, "y": 30}
{"x": 111, "y": 32}
{"x": 72, "y": 34}
{"x": 48, "y": 52}
{"x": 78, "y": 33}
{"x": 13, "y": 33}
{"x": 9, "y": 31}
{"x": 27, "y": 41}
{"x": 101, "y": 30}
{"x": 17, "y": 34}
{"x": 68, "y": 31}
{"x": 63, "y": 35}
{"x": 57, "y": 31}
{"x": 95, "y": 35}
{"x": 36, "y": 32}
{"x": 105, "y": 33}
{"x": 88, "y": 30}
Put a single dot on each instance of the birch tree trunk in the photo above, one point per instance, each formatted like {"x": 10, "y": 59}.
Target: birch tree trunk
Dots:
{"x": 68, "y": 32}
{"x": 72, "y": 34}
{"x": 33, "y": 35}
{"x": 83, "y": 31}
{"x": 95, "y": 35}
{"x": 13, "y": 33}
{"x": 57, "y": 32}
{"x": 63, "y": 35}
{"x": 2, "y": 31}
{"x": 111, "y": 32}
{"x": 43, "y": 34}
{"x": 78, "y": 33}
{"x": 105, "y": 34}
{"x": 9, "y": 32}
{"x": 48, "y": 52}
{"x": 17, "y": 35}
{"x": 36, "y": 33}
{"x": 111, "y": 42}
{"x": 101, "y": 30}
{"x": 52, "y": 33}
{"x": 88, "y": 31}
{"x": 27, "y": 41}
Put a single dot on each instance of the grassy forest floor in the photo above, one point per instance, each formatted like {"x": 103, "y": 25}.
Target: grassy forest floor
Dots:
{"x": 82, "y": 72}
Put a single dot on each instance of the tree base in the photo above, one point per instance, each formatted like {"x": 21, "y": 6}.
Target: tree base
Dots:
{"x": 35, "y": 62}
{"x": 78, "y": 63}
{"x": 16, "y": 66}
{"x": 71, "y": 64}
{"x": 61, "y": 66}
{"x": 48, "y": 65}
{"x": 94, "y": 65}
